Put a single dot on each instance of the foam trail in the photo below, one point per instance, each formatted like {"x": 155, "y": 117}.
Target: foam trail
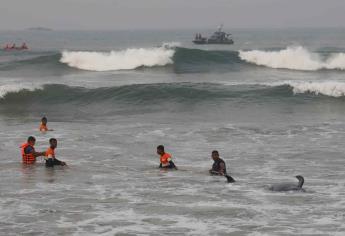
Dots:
{"x": 14, "y": 88}
{"x": 294, "y": 58}
{"x": 118, "y": 60}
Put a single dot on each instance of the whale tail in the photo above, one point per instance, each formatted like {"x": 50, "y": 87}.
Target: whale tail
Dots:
{"x": 300, "y": 181}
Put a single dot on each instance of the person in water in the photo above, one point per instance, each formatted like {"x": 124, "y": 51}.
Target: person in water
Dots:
{"x": 218, "y": 167}
{"x": 24, "y": 46}
{"x": 28, "y": 151}
{"x": 165, "y": 159}
{"x": 50, "y": 155}
{"x": 43, "y": 126}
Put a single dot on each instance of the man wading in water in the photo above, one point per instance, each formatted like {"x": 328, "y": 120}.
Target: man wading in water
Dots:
{"x": 218, "y": 167}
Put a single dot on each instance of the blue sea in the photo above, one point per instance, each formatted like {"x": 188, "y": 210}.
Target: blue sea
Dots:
{"x": 272, "y": 104}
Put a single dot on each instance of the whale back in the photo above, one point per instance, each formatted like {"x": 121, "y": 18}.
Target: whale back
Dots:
{"x": 284, "y": 187}
{"x": 288, "y": 186}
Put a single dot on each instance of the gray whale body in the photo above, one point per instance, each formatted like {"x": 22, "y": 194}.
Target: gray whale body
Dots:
{"x": 289, "y": 186}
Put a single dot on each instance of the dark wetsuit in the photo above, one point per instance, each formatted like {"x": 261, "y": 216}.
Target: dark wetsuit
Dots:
{"x": 216, "y": 167}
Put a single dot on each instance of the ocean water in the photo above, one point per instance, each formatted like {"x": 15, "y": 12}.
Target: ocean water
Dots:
{"x": 272, "y": 104}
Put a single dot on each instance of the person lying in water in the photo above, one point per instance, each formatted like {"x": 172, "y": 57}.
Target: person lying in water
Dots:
{"x": 50, "y": 155}
{"x": 165, "y": 159}
{"x": 43, "y": 126}
{"x": 29, "y": 153}
{"x": 218, "y": 167}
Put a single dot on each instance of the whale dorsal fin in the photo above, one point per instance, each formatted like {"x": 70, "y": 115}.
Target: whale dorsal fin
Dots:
{"x": 300, "y": 181}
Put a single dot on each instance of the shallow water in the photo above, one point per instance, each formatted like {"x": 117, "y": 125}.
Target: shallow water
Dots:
{"x": 108, "y": 125}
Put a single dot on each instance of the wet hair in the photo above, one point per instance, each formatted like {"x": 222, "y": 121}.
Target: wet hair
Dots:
{"x": 161, "y": 148}
{"x": 31, "y": 139}
{"x": 44, "y": 118}
{"x": 52, "y": 140}
{"x": 215, "y": 152}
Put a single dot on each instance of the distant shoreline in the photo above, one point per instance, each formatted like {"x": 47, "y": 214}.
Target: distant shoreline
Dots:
{"x": 40, "y": 29}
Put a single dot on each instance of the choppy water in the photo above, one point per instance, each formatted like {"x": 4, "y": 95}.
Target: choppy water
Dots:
{"x": 272, "y": 104}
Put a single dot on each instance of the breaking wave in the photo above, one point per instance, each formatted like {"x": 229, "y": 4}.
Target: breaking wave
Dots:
{"x": 166, "y": 92}
{"x": 127, "y": 59}
{"x": 294, "y": 58}
{"x": 179, "y": 59}
{"x": 16, "y": 88}
{"x": 328, "y": 88}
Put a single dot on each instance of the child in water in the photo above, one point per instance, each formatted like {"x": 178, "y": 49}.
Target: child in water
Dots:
{"x": 50, "y": 155}
{"x": 43, "y": 126}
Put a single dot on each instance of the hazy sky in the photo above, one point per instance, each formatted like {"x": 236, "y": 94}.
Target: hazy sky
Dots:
{"x": 170, "y": 14}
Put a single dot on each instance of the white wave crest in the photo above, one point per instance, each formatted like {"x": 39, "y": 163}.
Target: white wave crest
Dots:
{"x": 118, "y": 60}
{"x": 328, "y": 88}
{"x": 13, "y": 88}
{"x": 171, "y": 44}
{"x": 294, "y": 58}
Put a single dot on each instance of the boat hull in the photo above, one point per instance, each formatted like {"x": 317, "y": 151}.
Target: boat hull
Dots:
{"x": 213, "y": 42}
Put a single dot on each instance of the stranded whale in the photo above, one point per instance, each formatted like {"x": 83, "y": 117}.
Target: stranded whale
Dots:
{"x": 289, "y": 186}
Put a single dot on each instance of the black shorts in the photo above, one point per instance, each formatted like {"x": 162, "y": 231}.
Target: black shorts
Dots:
{"x": 170, "y": 166}
{"x": 50, "y": 162}
{"x": 214, "y": 172}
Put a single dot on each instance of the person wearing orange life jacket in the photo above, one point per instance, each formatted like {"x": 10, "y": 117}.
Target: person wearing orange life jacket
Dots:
{"x": 28, "y": 151}
{"x": 165, "y": 159}
{"x": 24, "y": 46}
{"x": 43, "y": 126}
{"x": 50, "y": 155}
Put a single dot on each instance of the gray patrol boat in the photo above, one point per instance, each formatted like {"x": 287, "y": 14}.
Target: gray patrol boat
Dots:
{"x": 218, "y": 37}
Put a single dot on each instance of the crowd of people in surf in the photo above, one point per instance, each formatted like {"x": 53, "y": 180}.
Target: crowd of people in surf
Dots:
{"x": 13, "y": 46}
{"x": 29, "y": 156}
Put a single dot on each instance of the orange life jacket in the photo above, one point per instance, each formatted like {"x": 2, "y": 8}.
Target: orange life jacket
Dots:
{"x": 27, "y": 158}
{"x": 43, "y": 127}
{"x": 165, "y": 158}
{"x": 50, "y": 153}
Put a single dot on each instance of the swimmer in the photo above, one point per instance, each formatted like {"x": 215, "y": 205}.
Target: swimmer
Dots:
{"x": 43, "y": 126}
